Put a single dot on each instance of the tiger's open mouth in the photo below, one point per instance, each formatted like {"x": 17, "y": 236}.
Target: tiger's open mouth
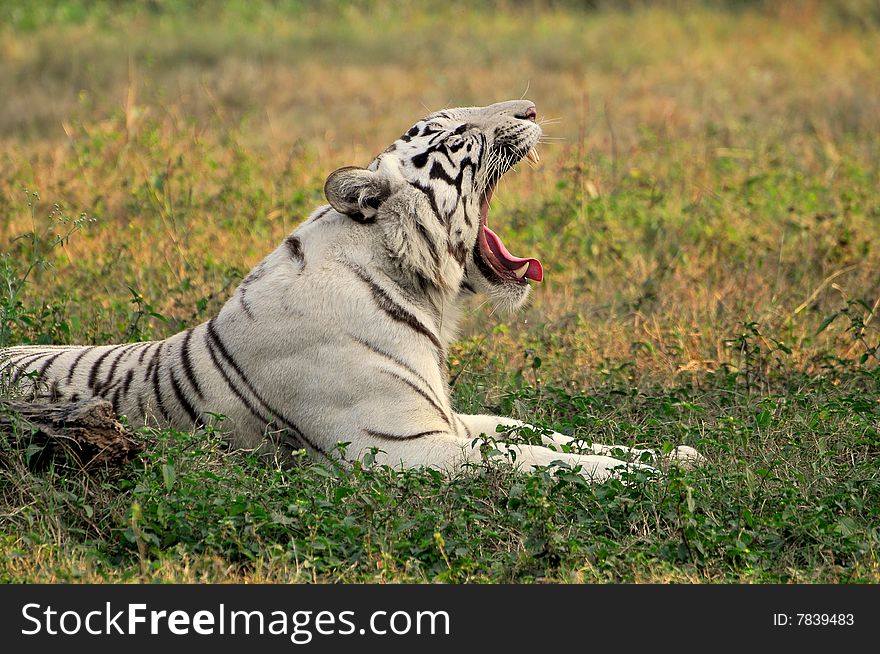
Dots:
{"x": 508, "y": 267}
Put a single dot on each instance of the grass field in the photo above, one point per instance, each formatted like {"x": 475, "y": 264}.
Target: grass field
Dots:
{"x": 709, "y": 223}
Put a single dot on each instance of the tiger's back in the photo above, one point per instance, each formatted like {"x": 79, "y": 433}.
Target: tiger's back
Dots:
{"x": 268, "y": 364}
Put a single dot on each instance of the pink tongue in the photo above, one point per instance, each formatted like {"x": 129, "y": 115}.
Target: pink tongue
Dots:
{"x": 535, "y": 271}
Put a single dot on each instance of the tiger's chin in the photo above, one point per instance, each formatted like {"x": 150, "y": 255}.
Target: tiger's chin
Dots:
{"x": 505, "y": 296}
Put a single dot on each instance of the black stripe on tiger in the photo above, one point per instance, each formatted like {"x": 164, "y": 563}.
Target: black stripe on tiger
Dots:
{"x": 320, "y": 215}
{"x": 294, "y": 248}
{"x": 6, "y": 365}
{"x": 182, "y": 399}
{"x": 21, "y": 365}
{"x": 108, "y": 381}
{"x": 255, "y": 274}
{"x": 246, "y": 307}
{"x": 252, "y": 276}
{"x": 439, "y": 172}
{"x": 19, "y": 368}
{"x": 115, "y": 399}
{"x": 289, "y": 440}
{"x": 152, "y": 361}
{"x": 429, "y": 242}
{"x": 382, "y": 436}
{"x": 235, "y": 390}
{"x": 140, "y": 403}
{"x": 48, "y": 363}
{"x": 387, "y": 304}
{"x": 432, "y": 200}
{"x": 425, "y": 286}
{"x": 148, "y": 344}
{"x": 12, "y": 361}
{"x": 187, "y": 365}
{"x": 459, "y": 253}
{"x": 357, "y": 216}
{"x": 262, "y": 419}
{"x": 96, "y": 366}
{"x": 157, "y": 384}
{"x": 126, "y": 384}
{"x": 420, "y": 392}
{"x": 142, "y": 348}
{"x": 377, "y": 350}
{"x": 213, "y": 340}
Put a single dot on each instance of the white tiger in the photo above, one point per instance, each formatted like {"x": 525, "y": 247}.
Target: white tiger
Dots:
{"x": 341, "y": 333}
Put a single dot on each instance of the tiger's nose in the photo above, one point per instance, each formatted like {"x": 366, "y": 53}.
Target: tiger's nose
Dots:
{"x": 521, "y": 109}
{"x": 529, "y": 114}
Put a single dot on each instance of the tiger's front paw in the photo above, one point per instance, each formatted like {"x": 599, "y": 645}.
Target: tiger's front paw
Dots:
{"x": 686, "y": 457}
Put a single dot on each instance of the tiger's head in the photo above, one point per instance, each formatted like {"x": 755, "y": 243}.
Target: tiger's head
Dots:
{"x": 431, "y": 191}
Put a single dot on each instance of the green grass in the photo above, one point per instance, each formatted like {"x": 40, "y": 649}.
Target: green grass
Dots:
{"x": 708, "y": 227}
{"x": 791, "y": 495}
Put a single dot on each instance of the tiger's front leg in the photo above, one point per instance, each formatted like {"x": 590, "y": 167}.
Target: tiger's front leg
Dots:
{"x": 597, "y": 466}
{"x": 474, "y": 425}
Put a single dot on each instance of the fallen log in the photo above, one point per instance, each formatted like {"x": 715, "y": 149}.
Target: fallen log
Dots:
{"x": 84, "y": 434}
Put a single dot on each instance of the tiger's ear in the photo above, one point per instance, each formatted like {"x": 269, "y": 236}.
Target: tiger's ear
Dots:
{"x": 356, "y": 192}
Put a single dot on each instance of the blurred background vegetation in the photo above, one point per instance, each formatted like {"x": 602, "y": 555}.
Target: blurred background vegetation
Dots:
{"x": 717, "y": 163}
